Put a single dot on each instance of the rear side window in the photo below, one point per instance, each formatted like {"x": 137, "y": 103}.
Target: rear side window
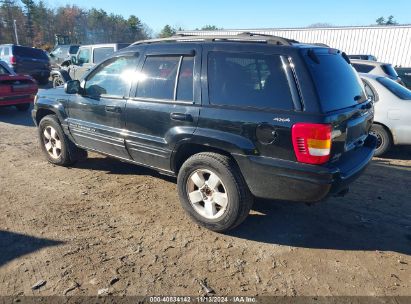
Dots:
{"x": 29, "y": 52}
{"x": 102, "y": 53}
{"x": 185, "y": 80}
{"x": 397, "y": 89}
{"x": 248, "y": 79}
{"x": 389, "y": 70}
{"x": 363, "y": 68}
{"x": 337, "y": 83}
{"x": 6, "y": 51}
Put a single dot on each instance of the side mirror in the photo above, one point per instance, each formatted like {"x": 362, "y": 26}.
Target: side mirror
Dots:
{"x": 73, "y": 59}
{"x": 72, "y": 87}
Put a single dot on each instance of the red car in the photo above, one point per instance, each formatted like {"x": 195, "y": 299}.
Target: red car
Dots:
{"x": 16, "y": 90}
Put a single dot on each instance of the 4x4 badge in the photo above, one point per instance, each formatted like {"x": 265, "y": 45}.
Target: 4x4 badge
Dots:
{"x": 278, "y": 119}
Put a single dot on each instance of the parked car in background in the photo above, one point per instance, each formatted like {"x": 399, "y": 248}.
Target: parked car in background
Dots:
{"x": 16, "y": 90}
{"x": 376, "y": 68}
{"x": 86, "y": 58}
{"x": 363, "y": 57}
{"x": 405, "y": 74}
{"x": 62, "y": 53}
{"x": 392, "y": 104}
{"x": 27, "y": 61}
{"x": 232, "y": 117}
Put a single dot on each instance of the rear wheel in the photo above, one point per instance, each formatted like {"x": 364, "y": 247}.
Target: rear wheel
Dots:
{"x": 56, "y": 146}
{"x": 23, "y": 107}
{"x": 384, "y": 141}
{"x": 213, "y": 192}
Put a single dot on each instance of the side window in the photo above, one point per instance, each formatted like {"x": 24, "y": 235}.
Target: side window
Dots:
{"x": 158, "y": 77}
{"x": 1, "y": 51}
{"x": 185, "y": 80}
{"x": 99, "y": 54}
{"x": 112, "y": 77}
{"x": 369, "y": 91}
{"x": 245, "y": 79}
{"x": 83, "y": 56}
{"x": 6, "y": 51}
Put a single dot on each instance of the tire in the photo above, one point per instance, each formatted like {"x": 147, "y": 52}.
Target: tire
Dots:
{"x": 198, "y": 177}
{"x": 384, "y": 141}
{"x": 57, "y": 81}
{"x": 23, "y": 107}
{"x": 56, "y": 146}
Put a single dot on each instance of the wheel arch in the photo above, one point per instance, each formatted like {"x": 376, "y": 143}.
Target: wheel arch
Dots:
{"x": 389, "y": 132}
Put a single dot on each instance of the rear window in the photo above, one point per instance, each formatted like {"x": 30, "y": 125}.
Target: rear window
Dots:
{"x": 102, "y": 53}
{"x": 29, "y": 52}
{"x": 397, "y": 89}
{"x": 248, "y": 80}
{"x": 363, "y": 68}
{"x": 337, "y": 83}
{"x": 389, "y": 70}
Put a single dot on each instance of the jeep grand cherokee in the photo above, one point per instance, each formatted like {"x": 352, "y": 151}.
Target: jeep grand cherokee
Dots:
{"x": 232, "y": 117}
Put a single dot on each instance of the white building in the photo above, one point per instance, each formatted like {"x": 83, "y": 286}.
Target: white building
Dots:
{"x": 391, "y": 44}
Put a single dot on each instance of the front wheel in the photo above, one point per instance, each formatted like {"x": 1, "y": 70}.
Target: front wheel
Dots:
{"x": 213, "y": 192}
{"x": 56, "y": 146}
{"x": 57, "y": 81}
{"x": 384, "y": 141}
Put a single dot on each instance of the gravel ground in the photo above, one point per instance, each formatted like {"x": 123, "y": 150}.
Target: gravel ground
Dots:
{"x": 104, "y": 226}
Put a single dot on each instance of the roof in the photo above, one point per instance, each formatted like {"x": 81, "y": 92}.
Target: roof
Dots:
{"x": 367, "y": 62}
{"x": 240, "y": 37}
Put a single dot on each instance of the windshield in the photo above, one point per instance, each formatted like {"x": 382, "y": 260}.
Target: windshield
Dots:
{"x": 395, "y": 88}
{"x": 337, "y": 83}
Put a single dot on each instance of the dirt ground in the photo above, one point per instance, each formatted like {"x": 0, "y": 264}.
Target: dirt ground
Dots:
{"x": 119, "y": 228}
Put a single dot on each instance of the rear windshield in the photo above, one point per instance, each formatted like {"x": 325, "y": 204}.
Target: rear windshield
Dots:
{"x": 363, "y": 68}
{"x": 29, "y": 52}
{"x": 395, "y": 88}
{"x": 337, "y": 83}
{"x": 389, "y": 70}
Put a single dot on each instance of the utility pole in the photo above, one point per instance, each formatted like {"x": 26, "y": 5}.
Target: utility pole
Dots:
{"x": 15, "y": 31}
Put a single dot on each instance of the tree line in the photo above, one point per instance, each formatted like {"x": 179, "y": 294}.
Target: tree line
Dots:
{"x": 37, "y": 24}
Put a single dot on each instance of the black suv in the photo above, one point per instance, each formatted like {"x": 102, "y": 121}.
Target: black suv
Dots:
{"x": 27, "y": 60}
{"x": 232, "y": 117}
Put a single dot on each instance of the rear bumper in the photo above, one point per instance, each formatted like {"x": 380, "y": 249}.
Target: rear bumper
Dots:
{"x": 14, "y": 100}
{"x": 288, "y": 180}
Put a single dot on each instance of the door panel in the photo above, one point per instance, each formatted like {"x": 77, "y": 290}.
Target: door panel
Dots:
{"x": 97, "y": 117}
{"x": 155, "y": 118}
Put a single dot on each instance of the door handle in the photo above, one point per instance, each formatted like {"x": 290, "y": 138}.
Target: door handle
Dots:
{"x": 113, "y": 109}
{"x": 181, "y": 117}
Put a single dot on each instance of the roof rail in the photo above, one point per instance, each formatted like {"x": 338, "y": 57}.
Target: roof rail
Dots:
{"x": 241, "y": 37}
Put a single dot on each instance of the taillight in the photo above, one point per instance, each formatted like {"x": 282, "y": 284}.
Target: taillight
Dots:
{"x": 312, "y": 142}
{"x": 13, "y": 60}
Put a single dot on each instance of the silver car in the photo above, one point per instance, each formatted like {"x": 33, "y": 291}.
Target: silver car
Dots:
{"x": 392, "y": 104}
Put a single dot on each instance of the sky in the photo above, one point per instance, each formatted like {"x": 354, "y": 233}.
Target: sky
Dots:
{"x": 231, "y": 14}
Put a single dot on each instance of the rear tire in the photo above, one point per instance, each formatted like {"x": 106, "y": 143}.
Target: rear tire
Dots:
{"x": 23, "y": 107}
{"x": 213, "y": 191}
{"x": 384, "y": 141}
{"x": 56, "y": 146}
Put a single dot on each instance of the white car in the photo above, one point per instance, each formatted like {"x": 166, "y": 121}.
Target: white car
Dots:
{"x": 376, "y": 68}
{"x": 392, "y": 105}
